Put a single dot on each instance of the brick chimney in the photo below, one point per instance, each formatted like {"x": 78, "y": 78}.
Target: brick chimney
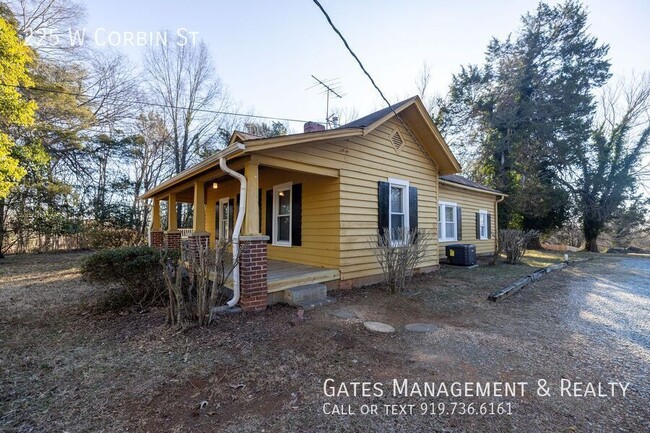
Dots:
{"x": 314, "y": 127}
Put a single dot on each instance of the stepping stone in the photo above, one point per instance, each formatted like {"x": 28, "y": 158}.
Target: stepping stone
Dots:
{"x": 421, "y": 327}
{"x": 379, "y": 327}
{"x": 344, "y": 314}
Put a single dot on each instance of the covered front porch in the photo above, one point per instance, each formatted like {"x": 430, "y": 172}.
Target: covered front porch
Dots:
{"x": 279, "y": 242}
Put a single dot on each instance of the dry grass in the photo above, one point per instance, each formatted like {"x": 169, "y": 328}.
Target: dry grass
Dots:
{"x": 64, "y": 369}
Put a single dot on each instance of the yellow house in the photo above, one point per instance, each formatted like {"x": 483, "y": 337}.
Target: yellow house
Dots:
{"x": 303, "y": 208}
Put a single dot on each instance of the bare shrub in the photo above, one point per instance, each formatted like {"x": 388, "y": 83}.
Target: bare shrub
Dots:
{"x": 399, "y": 259}
{"x": 196, "y": 284}
{"x": 513, "y": 243}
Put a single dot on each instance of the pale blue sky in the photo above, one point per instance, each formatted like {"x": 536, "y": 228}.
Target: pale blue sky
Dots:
{"x": 265, "y": 52}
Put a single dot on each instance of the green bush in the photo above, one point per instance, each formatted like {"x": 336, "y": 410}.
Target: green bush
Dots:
{"x": 138, "y": 270}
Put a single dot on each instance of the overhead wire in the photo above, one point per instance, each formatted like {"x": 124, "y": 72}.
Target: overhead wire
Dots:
{"x": 153, "y": 104}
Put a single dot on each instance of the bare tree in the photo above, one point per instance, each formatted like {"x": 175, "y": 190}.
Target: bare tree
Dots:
{"x": 183, "y": 81}
{"x": 605, "y": 171}
{"x": 148, "y": 155}
{"x": 47, "y": 25}
{"x": 111, "y": 88}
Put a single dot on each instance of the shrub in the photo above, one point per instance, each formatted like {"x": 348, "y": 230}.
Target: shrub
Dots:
{"x": 513, "y": 243}
{"x": 196, "y": 285}
{"x": 138, "y": 270}
{"x": 97, "y": 236}
{"x": 398, "y": 261}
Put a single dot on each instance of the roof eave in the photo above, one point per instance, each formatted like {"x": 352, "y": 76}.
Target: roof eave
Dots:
{"x": 458, "y": 185}
{"x": 231, "y": 151}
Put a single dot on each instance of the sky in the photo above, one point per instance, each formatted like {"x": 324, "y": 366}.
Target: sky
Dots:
{"x": 266, "y": 51}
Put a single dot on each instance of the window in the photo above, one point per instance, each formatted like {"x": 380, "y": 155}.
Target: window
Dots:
{"x": 224, "y": 219}
{"x": 398, "y": 210}
{"x": 447, "y": 224}
{"x": 282, "y": 214}
{"x": 483, "y": 224}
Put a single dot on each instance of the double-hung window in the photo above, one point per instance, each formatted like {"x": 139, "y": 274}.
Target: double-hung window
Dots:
{"x": 399, "y": 210}
{"x": 224, "y": 219}
{"x": 447, "y": 222}
{"x": 282, "y": 214}
{"x": 483, "y": 224}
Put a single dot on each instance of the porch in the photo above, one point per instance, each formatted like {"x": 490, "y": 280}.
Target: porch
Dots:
{"x": 290, "y": 225}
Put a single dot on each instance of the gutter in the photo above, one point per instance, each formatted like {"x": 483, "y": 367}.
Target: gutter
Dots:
{"x": 237, "y": 229}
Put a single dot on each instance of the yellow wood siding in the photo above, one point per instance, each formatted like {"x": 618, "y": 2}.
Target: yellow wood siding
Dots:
{"x": 320, "y": 224}
{"x": 362, "y": 162}
{"x": 228, "y": 188}
{"x": 470, "y": 202}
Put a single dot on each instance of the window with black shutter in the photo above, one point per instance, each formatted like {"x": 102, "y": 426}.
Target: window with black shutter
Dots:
{"x": 449, "y": 222}
{"x": 397, "y": 209}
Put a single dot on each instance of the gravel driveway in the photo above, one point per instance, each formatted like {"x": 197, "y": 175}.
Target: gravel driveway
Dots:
{"x": 587, "y": 324}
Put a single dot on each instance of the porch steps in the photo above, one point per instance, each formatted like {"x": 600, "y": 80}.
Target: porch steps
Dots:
{"x": 308, "y": 296}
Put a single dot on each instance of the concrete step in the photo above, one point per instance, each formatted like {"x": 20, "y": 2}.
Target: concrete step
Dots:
{"x": 308, "y": 292}
{"x": 308, "y": 305}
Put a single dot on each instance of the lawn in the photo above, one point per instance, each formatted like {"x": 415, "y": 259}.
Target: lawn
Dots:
{"x": 65, "y": 368}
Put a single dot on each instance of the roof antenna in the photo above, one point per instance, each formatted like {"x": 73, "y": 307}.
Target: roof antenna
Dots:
{"x": 330, "y": 87}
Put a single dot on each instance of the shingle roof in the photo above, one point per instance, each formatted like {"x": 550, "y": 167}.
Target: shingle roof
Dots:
{"x": 248, "y": 136}
{"x": 373, "y": 117}
{"x": 454, "y": 178}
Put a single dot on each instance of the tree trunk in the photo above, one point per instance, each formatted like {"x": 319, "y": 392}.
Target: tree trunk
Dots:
{"x": 2, "y": 226}
{"x": 591, "y": 229}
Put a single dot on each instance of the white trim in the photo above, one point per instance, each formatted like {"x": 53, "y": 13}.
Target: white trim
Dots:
{"x": 404, "y": 185}
{"x": 225, "y": 200}
{"x": 276, "y": 203}
{"x": 442, "y": 221}
{"x": 482, "y": 217}
{"x": 483, "y": 214}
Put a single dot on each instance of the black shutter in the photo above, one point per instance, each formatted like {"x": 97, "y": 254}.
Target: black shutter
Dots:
{"x": 383, "y": 201}
{"x": 231, "y": 215}
{"x": 259, "y": 204}
{"x": 296, "y": 214}
{"x": 238, "y": 199}
{"x": 269, "y": 215}
{"x": 478, "y": 225}
{"x": 413, "y": 208}
{"x": 459, "y": 223}
{"x": 489, "y": 223}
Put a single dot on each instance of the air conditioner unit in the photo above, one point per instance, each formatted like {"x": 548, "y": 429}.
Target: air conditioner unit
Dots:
{"x": 461, "y": 254}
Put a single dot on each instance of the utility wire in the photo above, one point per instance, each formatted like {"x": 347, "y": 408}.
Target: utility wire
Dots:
{"x": 345, "y": 42}
{"x": 153, "y": 104}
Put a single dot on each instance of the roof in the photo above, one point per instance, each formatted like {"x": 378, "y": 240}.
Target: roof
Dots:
{"x": 368, "y": 120}
{"x": 411, "y": 110}
{"x": 242, "y": 136}
{"x": 460, "y": 180}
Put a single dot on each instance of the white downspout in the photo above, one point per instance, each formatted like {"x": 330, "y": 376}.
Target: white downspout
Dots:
{"x": 236, "y": 230}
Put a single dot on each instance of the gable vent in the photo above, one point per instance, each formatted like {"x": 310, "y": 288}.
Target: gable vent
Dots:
{"x": 397, "y": 140}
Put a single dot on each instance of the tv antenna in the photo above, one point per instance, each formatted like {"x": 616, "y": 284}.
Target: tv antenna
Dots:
{"x": 330, "y": 87}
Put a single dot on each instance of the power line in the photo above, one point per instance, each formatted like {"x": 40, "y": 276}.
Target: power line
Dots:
{"x": 345, "y": 42}
{"x": 154, "y": 104}
{"x": 329, "y": 20}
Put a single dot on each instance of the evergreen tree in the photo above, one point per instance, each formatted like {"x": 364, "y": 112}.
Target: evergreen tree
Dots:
{"x": 532, "y": 96}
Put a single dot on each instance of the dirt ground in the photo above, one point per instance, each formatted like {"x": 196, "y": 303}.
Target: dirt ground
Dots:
{"x": 64, "y": 369}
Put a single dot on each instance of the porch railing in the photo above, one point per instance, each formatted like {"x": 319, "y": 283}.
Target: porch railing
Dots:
{"x": 185, "y": 233}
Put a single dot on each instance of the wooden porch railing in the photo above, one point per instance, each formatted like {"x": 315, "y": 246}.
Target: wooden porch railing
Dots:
{"x": 185, "y": 233}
